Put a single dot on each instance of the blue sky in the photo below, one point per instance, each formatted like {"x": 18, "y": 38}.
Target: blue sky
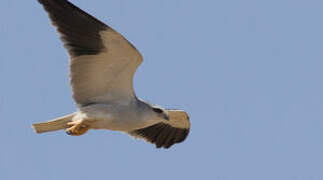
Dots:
{"x": 248, "y": 72}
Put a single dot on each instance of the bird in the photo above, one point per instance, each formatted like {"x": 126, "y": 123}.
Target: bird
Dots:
{"x": 102, "y": 67}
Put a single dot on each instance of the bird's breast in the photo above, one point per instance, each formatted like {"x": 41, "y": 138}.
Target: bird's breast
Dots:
{"x": 112, "y": 117}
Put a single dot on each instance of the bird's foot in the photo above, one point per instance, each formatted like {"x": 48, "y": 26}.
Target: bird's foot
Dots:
{"x": 77, "y": 128}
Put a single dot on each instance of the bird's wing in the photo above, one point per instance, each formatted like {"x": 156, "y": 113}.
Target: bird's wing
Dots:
{"x": 102, "y": 62}
{"x": 165, "y": 134}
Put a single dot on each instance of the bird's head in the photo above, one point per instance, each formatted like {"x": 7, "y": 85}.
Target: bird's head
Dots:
{"x": 160, "y": 112}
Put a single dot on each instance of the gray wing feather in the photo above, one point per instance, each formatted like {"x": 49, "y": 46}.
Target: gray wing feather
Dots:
{"x": 103, "y": 62}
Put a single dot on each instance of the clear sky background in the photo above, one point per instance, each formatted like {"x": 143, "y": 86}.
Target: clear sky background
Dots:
{"x": 248, "y": 72}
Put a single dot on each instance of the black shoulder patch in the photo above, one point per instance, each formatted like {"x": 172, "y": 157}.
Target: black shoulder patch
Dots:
{"x": 79, "y": 30}
{"x": 162, "y": 135}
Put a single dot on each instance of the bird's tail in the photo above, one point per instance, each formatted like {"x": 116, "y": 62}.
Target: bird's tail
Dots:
{"x": 53, "y": 125}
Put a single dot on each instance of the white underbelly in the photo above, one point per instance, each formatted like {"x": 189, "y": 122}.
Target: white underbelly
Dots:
{"x": 105, "y": 117}
{"x": 117, "y": 124}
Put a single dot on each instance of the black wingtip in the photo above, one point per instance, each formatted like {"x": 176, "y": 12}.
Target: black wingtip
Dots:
{"x": 79, "y": 31}
{"x": 162, "y": 135}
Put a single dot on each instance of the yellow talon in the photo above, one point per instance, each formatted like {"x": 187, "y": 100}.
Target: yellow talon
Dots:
{"x": 77, "y": 128}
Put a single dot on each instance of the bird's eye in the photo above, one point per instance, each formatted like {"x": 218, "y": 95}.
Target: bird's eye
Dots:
{"x": 157, "y": 110}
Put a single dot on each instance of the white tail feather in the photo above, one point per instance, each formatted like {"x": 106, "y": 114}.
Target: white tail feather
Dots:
{"x": 53, "y": 125}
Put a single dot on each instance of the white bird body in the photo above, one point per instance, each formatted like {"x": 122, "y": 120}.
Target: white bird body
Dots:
{"x": 102, "y": 67}
{"x": 117, "y": 117}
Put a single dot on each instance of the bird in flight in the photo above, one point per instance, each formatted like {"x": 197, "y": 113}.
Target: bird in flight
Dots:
{"x": 102, "y": 66}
